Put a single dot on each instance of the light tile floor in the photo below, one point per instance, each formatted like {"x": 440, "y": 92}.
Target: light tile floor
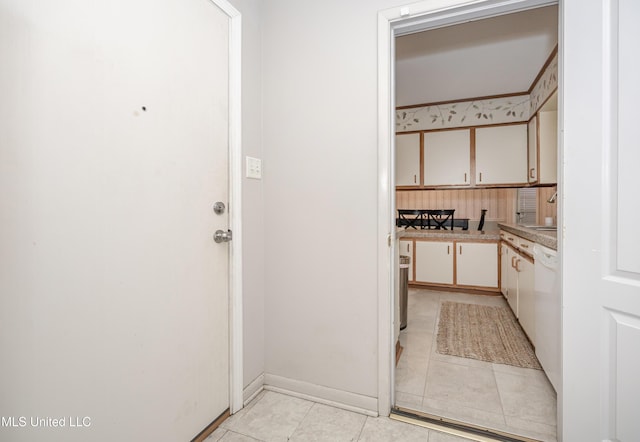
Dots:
{"x": 277, "y": 417}
{"x": 517, "y": 400}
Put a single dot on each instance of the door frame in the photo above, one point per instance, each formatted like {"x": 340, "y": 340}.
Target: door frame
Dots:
{"x": 236, "y": 401}
{"x": 402, "y": 20}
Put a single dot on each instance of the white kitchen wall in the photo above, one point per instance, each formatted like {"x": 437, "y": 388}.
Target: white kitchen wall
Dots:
{"x": 481, "y": 112}
{"x": 321, "y": 181}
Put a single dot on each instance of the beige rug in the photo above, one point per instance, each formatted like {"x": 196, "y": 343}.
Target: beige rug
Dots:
{"x": 486, "y": 333}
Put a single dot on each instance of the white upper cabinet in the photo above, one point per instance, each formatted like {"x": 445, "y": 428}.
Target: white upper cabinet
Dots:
{"x": 501, "y": 154}
{"x": 447, "y": 157}
{"x": 548, "y": 141}
{"x": 543, "y": 143}
{"x": 532, "y": 149}
{"x": 408, "y": 159}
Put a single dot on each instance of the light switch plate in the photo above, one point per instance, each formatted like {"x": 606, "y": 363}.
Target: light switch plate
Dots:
{"x": 254, "y": 168}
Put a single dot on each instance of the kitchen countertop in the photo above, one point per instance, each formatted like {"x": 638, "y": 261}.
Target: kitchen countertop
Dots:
{"x": 545, "y": 238}
{"x": 456, "y": 234}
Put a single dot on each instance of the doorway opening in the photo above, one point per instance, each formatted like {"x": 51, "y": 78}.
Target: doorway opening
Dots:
{"x": 477, "y": 393}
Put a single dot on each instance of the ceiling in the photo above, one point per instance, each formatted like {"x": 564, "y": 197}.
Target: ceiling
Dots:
{"x": 494, "y": 56}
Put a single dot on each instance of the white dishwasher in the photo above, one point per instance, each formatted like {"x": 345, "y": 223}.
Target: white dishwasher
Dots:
{"x": 548, "y": 312}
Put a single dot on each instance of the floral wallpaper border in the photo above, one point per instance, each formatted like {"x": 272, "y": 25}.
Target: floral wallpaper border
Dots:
{"x": 480, "y": 112}
{"x": 545, "y": 86}
{"x": 466, "y": 113}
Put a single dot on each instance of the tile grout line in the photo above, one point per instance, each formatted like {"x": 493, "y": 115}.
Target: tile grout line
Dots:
{"x": 313, "y": 404}
{"x": 434, "y": 346}
{"x": 363, "y": 425}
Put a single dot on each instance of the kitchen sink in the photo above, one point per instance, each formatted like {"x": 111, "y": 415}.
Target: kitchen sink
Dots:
{"x": 543, "y": 228}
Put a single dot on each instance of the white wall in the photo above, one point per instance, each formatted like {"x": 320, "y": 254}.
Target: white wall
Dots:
{"x": 252, "y": 192}
{"x": 320, "y": 142}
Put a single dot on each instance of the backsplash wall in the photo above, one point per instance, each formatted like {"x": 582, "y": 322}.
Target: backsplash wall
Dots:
{"x": 544, "y": 208}
{"x": 500, "y": 203}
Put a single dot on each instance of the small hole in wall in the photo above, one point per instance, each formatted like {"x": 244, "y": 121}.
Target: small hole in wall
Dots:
{"x": 144, "y": 108}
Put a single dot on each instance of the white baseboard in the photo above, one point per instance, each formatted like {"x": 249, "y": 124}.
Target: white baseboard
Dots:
{"x": 324, "y": 395}
{"x": 253, "y": 389}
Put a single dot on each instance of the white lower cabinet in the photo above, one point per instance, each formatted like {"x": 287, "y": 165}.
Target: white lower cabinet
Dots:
{"x": 504, "y": 268}
{"x": 477, "y": 264}
{"x": 517, "y": 285}
{"x": 512, "y": 283}
{"x": 434, "y": 262}
{"x": 526, "y": 296}
{"x": 406, "y": 248}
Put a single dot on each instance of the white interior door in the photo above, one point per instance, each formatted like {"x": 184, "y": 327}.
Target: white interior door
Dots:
{"x": 600, "y": 212}
{"x": 114, "y": 138}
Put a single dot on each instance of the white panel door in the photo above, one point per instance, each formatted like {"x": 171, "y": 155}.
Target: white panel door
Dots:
{"x": 434, "y": 262}
{"x": 477, "y": 264}
{"x": 114, "y": 306}
{"x": 447, "y": 157}
{"x": 501, "y": 154}
{"x": 600, "y": 259}
{"x": 408, "y": 159}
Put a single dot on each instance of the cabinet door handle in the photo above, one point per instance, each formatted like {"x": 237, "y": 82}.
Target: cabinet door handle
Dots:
{"x": 526, "y": 246}
{"x": 460, "y": 249}
{"x": 512, "y": 259}
{"x": 480, "y": 180}
{"x": 465, "y": 177}
{"x": 516, "y": 266}
{"x": 531, "y": 175}
{"x": 408, "y": 247}
{"x": 415, "y": 179}
{"x": 448, "y": 250}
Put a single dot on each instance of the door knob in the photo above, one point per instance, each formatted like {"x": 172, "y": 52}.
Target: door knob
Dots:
{"x": 218, "y": 208}
{"x": 222, "y": 236}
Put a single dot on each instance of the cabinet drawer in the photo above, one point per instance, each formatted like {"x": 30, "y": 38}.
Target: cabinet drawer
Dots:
{"x": 509, "y": 238}
{"x": 525, "y": 245}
